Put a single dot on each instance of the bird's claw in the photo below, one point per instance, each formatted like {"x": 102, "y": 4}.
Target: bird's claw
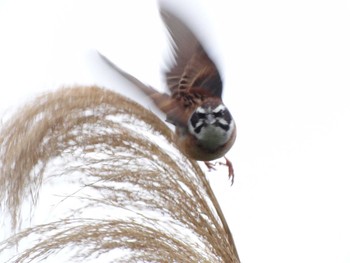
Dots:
{"x": 231, "y": 175}
{"x": 210, "y": 165}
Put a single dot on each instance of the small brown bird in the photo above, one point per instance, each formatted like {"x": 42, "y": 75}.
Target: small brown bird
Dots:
{"x": 205, "y": 129}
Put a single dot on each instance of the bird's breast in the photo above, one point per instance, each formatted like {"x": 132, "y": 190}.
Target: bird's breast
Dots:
{"x": 203, "y": 150}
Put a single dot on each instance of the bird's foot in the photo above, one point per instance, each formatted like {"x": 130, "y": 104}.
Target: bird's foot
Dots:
{"x": 210, "y": 165}
{"x": 231, "y": 174}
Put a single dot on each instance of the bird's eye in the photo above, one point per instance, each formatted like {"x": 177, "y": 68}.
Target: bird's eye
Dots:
{"x": 201, "y": 115}
{"x": 219, "y": 114}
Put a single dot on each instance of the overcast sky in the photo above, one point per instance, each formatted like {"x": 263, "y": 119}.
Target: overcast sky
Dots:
{"x": 286, "y": 70}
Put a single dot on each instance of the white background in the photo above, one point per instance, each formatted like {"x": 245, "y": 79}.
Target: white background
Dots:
{"x": 286, "y": 70}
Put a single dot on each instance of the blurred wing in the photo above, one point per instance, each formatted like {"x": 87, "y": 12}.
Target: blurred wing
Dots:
{"x": 176, "y": 114}
{"x": 161, "y": 100}
{"x": 192, "y": 67}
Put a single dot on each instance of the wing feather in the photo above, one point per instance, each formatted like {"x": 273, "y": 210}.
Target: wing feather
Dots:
{"x": 163, "y": 101}
{"x": 192, "y": 68}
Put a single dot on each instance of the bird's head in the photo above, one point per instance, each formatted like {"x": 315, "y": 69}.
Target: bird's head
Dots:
{"x": 212, "y": 124}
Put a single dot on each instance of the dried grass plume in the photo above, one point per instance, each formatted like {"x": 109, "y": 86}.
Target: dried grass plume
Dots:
{"x": 121, "y": 191}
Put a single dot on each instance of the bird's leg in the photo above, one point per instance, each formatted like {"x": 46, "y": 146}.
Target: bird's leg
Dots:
{"x": 231, "y": 174}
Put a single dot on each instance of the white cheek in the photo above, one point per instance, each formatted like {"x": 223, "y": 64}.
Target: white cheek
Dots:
{"x": 191, "y": 128}
{"x": 200, "y": 110}
{"x": 219, "y": 108}
{"x": 222, "y": 121}
{"x": 199, "y": 123}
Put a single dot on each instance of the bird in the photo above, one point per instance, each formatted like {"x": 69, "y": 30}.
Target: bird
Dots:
{"x": 204, "y": 127}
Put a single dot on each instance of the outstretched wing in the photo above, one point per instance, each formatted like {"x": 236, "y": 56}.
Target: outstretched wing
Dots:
{"x": 177, "y": 113}
{"x": 163, "y": 101}
{"x": 192, "y": 68}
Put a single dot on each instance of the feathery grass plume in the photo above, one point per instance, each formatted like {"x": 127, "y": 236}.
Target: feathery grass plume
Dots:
{"x": 127, "y": 192}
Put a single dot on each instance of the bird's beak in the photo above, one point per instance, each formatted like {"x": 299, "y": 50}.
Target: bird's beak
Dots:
{"x": 211, "y": 119}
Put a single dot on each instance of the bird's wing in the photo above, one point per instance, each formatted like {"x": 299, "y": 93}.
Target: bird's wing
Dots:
{"x": 192, "y": 68}
{"x": 161, "y": 100}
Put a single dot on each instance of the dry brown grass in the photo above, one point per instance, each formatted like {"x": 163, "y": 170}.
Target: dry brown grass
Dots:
{"x": 120, "y": 152}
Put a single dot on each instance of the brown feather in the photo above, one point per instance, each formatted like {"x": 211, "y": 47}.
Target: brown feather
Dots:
{"x": 193, "y": 81}
{"x": 163, "y": 101}
{"x": 192, "y": 67}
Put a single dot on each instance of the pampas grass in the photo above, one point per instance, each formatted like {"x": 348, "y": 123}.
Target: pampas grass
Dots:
{"x": 126, "y": 192}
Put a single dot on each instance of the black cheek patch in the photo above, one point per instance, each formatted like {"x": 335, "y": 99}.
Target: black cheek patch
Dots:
{"x": 223, "y": 126}
{"x": 218, "y": 114}
{"x": 227, "y": 116}
{"x": 198, "y": 129}
{"x": 194, "y": 120}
